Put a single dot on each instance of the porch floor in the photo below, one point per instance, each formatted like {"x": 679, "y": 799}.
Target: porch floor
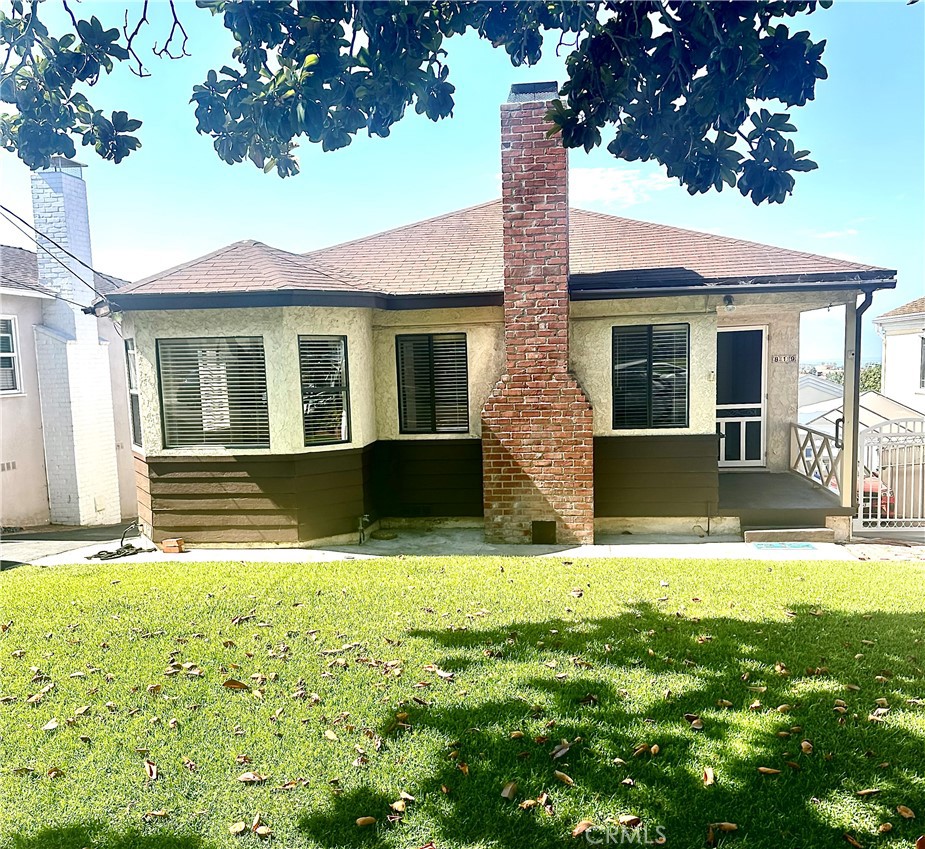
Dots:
{"x": 762, "y": 499}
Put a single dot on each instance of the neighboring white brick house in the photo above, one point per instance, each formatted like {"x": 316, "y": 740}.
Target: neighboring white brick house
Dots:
{"x": 66, "y": 453}
{"x": 903, "y": 331}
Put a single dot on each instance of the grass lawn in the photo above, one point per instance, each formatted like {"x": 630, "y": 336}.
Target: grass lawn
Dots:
{"x": 446, "y": 679}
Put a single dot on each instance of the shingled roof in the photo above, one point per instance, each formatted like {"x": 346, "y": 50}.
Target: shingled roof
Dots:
{"x": 912, "y": 308}
{"x": 462, "y": 251}
{"x": 459, "y": 256}
{"x": 19, "y": 269}
{"x": 246, "y": 266}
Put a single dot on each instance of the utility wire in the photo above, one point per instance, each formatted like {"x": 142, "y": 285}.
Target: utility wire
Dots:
{"x": 47, "y": 293}
{"x": 63, "y": 250}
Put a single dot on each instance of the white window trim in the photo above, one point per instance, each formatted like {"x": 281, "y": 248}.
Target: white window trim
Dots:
{"x": 131, "y": 359}
{"x": 17, "y": 369}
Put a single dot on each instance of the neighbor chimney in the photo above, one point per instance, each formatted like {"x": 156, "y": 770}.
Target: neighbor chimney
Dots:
{"x": 537, "y": 436}
{"x": 59, "y": 210}
{"x": 75, "y": 384}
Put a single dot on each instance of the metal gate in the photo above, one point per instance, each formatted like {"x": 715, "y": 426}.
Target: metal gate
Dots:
{"x": 891, "y": 475}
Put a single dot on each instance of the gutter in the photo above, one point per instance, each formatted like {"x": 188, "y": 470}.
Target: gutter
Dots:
{"x": 581, "y": 289}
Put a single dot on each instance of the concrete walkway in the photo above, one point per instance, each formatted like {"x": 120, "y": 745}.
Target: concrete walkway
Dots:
{"x": 63, "y": 546}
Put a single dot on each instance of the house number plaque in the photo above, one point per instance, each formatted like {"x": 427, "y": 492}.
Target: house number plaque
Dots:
{"x": 784, "y": 358}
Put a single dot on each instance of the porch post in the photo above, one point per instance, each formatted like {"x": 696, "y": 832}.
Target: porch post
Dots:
{"x": 849, "y": 472}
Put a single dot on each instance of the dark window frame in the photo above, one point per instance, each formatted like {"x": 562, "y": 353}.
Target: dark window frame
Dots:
{"x": 616, "y": 330}
{"x": 134, "y": 393}
{"x": 264, "y": 444}
{"x": 432, "y": 428}
{"x": 344, "y": 389}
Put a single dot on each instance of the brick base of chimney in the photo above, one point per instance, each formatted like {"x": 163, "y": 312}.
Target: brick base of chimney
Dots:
{"x": 537, "y": 459}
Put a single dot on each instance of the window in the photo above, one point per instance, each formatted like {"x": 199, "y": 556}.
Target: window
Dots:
{"x": 325, "y": 396}
{"x": 213, "y": 392}
{"x": 922, "y": 364}
{"x": 9, "y": 356}
{"x": 650, "y": 376}
{"x": 433, "y": 383}
{"x": 134, "y": 400}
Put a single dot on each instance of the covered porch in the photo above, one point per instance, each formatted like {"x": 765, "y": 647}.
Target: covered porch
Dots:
{"x": 762, "y": 499}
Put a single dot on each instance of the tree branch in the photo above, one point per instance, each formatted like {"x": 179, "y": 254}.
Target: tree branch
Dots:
{"x": 130, "y": 40}
{"x": 175, "y": 25}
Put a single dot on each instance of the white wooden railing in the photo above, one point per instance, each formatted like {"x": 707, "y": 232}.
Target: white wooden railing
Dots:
{"x": 816, "y": 456}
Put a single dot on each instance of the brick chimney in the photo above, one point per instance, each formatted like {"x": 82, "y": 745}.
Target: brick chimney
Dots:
{"x": 75, "y": 389}
{"x": 537, "y": 436}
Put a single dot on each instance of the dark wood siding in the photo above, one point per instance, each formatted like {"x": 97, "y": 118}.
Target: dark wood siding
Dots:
{"x": 270, "y": 498}
{"x": 427, "y": 477}
{"x": 655, "y": 476}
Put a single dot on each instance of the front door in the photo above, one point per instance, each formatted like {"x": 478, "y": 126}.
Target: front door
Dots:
{"x": 740, "y": 395}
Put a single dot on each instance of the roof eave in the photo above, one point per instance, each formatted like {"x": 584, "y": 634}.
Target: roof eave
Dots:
{"x": 137, "y": 301}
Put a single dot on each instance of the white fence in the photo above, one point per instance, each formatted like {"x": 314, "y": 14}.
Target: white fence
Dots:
{"x": 891, "y": 475}
{"x": 816, "y": 456}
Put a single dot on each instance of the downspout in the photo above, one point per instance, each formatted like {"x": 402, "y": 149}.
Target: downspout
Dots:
{"x": 856, "y": 392}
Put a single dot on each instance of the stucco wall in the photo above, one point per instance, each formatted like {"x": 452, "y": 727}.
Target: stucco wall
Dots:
{"x": 902, "y": 361}
{"x": 23, "y": 489}
{"x": 280, "y": 329}
{"x": 484, "y": 348}
{"x": 591, "y": 355}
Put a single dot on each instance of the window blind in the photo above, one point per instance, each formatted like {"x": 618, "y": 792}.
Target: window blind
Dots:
{"x": 9, "y": 353}
{"x": 650, "y": 376}
{"x": 325, "y": 393}
{"x": 134, "y": 399}
{"x": 433, "y": 383}
{"x": 214, "y": 392}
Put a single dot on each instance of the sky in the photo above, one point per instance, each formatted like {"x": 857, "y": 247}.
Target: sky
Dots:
{"x": 174, "y": 200}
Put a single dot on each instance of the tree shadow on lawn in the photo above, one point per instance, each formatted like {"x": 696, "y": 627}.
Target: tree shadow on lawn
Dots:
{"x": 97, "y": 835}
{"x": 805, "y": 662}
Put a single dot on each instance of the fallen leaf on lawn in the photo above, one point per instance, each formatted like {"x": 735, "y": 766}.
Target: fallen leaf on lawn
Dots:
{"x": 251, "y": 778}
{"x": 399, "y": 806}
{"x": 81, "y": 710}
{"x": 724, "y": 826}
{"x": 783, "y": 708}
{"x": 464, "y": 768}
{"x": 190, "y": 765}
{"x": 579, "y": 829}
{"x": 628, "y": 820}
{"x": 51, "y": 725}
{"x": 55, "y": 772}
{"x": 161, "y": 814}
{"x": 364, "y": 821}
{"x": 806, "y": 747}
{"x": 767, "y": 770}
{"x": 724, "y": 703}
{"x": 905, "y": 813}
{"x": 509, "y": 791}
{"x": 920, "y": 842}
{"x": 871, "y": 791}
{"x": 151, "y": 770}
{"x": 852, "y": 841}
{"x": 654, "y": 749}
{"x": 709, "y": 777}
{"x": 330, "y": 735}
{"x": 561, "y": 750}
{"x": 565, "y": 779}
{"x": 263, "y": 831}
{"x": 628, "y": 782}
{"x": 234, "y": 684}
{"x": 238, "y": 828}
{"x": 885, "y": 827}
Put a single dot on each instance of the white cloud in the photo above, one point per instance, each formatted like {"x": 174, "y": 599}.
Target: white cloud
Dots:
{"x": 614, "y": 188}
{"x": 837, "y": 234}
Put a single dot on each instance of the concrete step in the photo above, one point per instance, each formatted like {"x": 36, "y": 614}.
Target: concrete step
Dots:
{"x": 789, "y": 535}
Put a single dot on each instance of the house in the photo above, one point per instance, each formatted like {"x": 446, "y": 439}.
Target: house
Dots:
{"x": 813, "y": 391}
{"x": 903, "y": 332}
{"x": 541, "y": 371}
{"x": 65, "y": 450}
